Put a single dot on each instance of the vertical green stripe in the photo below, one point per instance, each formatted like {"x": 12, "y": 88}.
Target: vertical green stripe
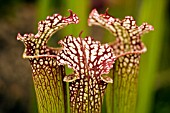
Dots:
{"x": 43, "y": 7}
{"x": 153, "y": 12}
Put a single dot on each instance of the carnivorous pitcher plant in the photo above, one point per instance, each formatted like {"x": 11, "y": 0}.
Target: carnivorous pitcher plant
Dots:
{"x": 94, "y": 65}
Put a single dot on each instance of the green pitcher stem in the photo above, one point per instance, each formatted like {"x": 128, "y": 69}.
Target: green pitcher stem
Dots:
{"x": 48, "y": 82}
{"x": 125, "y": 85}
{"x": 89, "y": 98}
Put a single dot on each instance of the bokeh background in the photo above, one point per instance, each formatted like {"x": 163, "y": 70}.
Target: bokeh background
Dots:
{"x": 17, "y": 93}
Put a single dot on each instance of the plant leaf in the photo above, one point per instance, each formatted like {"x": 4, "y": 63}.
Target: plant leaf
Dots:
{"x": 127, "y": 47}
{"x": 89, "y": 60}
{"x": 47, "y": 75}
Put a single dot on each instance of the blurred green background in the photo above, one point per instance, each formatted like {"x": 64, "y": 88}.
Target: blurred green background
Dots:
{"x": 16, "y": 87}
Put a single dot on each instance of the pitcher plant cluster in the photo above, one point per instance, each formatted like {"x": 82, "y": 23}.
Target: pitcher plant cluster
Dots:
{"x": 90, "y": 60}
